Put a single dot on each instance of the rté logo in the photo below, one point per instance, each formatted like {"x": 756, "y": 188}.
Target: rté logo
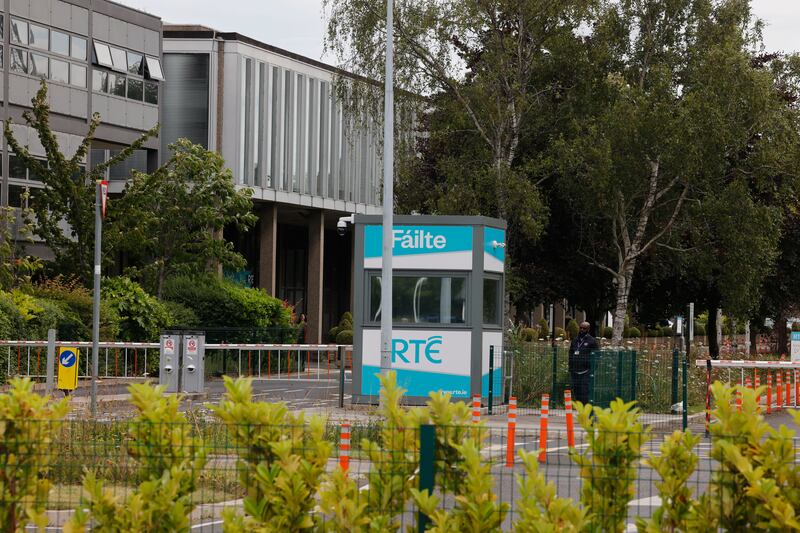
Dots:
{"x": 428, "y": 348}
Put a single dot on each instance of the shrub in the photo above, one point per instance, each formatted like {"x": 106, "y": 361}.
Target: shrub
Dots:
{"x": 345, "y": 323}
{"x": 656, "y": 332}
{"x": 699, "y": 329}
{"x": 281, "y": 461}
{"x": 12, "y": 325}
{"x": 616, "y": 438}
{"x": 180, "y": 315}
{"x": 633, "y": 333}
{"x": 530, "y": 334}
{"x": 572, "y": 329}
{"x": 667, "y": 331}
{"x": 608, "y": 332}
{"x": 344, "y": 337}
{"x": 218, "y": 302}
{"x": 544, "y": 328}
{"x": 169, "y": 459}
{"x": 141, "y": 316}
{"x": 561, "y": 333}
{"x": 29, "y": 422}
{"x": 78, "y": 300}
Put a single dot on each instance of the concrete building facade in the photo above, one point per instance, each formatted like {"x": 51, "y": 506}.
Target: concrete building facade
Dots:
{"x": 274, "y": 117}
{"x": 97, "y": 57}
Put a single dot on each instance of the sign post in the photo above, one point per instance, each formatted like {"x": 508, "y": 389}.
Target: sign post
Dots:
{"x": 67, "y": 368}
{"x": 99, "y": 212}
{"x": 795, "y": 346}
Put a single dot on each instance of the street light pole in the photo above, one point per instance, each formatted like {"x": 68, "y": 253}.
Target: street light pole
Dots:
{"x": 99, "y": 212}
{"x": 388, "y": 196}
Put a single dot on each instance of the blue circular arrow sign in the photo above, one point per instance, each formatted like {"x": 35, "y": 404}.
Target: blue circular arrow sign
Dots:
{"x": 67, "y": 358}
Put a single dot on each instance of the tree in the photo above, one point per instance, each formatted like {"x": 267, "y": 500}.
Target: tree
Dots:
{"x": 489, "y": 59}
{"x": 68, "y": 195}
{"x": 673, "y": 101}
{"x": 171, "y": 219}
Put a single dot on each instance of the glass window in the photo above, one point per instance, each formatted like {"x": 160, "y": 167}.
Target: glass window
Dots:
{"x": 422, "y": 299}
{"x": 59, "y": 42}
{"x": 1, "y": 55}
{"x": 102, "y": 54}
{"x": 491, "y": 301}
{"x": 154, "y": 68}
{"x": 78, "y": 47}
{"x": 116, "y": 84}
{"x": 19, "y": 60}
{"x": 15, "y": 195}
{"x": 59, "y": 71}
{"x": 19, "y": 31}
{"x": 32, "y": 173}
{"x": 135, "y": 89}
{"x": 77, "y": 75}
{"x": 16, "y": 169}
{"x": 2, "y": 27}
{"x": 100, "y": 81}
{"x": 38, "y": 66}
{"x": 151, "y": 92}
{"x": 135, "y": 63}
{"x": 39, "y": 37}
{"x": 119, "y": 59}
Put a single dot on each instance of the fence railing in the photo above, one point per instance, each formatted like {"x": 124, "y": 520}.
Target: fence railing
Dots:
{"x": 105, "y": 448}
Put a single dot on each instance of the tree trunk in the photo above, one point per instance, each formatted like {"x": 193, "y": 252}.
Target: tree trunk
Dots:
{"x": 711, "y": 333}
{"x": 623, "y": 279}
{"x": 781, "y": 333}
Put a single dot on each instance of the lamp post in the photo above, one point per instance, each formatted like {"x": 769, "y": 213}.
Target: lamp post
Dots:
{"x": 388, "y": 196}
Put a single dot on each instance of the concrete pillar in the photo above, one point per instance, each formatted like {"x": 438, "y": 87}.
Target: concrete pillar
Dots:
{"x": 560, "y": 313}
{"x": 267, "y": 250}
{"x": 580, "y": 316}
{"x": 316, "y": 258}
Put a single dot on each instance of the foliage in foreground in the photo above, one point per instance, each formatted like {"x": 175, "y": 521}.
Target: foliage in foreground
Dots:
{"x": 28, "y": 423}
{"x": 169, "y": 458}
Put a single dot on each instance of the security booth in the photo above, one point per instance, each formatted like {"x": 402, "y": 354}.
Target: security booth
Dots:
{"x": 447, "y": 300}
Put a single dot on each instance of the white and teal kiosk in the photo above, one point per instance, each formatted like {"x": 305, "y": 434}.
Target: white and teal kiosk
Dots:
{"x": 447, "y": 297}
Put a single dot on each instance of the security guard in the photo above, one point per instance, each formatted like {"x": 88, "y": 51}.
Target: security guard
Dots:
{"x": 580, "y": 351}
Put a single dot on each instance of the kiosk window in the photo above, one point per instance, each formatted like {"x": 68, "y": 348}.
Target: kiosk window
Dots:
{"x": 491, "y": 301}
{"x": 422, "y": 299}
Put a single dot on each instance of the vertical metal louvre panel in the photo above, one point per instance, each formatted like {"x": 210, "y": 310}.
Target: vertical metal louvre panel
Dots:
{"x": 185, "y": 109}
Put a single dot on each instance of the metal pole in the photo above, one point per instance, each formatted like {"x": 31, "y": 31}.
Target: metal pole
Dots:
{"x": 98, "y": 236}
{"x": 388, "y": 195}
{"x": 427, "y": 466}
{"x": 685, "y": 410}
{"x": 491, "y": 377}
{"x": 341, "y": 376}
{"x": 51, "y": 360}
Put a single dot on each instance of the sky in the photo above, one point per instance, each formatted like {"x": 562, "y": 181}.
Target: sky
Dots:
{"x": 297, "y": 25}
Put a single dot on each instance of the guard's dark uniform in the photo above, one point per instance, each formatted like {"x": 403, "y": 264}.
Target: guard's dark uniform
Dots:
{"x": 580, "y": 351}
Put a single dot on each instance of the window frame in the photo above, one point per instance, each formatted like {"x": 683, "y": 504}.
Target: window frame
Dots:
{"x": 159, "y": 75}
{"x": 487, "y": 276}
{"x": 369, "y": 274}
{"x": 15, "y": 20}
{"x": 23, "y": 53}
{"x": 101, "y": 61}
{"x": 72, "y": 77}
{"x": 31, "y": 44}
{"x": 65, "y": 34}
{"x": 66, "y": 63}
{"x": 72, "y": 39}
{"x": 31, "y": 62}
{"x": 148, "y": 83}
{"x": 119, "y": 64}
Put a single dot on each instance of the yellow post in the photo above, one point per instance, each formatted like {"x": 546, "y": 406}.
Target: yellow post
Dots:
{"x": 68, "y": 368}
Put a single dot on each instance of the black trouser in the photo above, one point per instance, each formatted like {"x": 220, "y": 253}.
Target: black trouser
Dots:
{"x": 580, "y": 386}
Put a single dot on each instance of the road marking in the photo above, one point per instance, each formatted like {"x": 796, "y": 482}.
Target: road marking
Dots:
{"x": 208, "y": 524}
{"x": 650, "y": 501}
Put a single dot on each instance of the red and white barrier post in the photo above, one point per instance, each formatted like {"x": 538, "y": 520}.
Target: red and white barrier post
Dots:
{"x": 476, "y": 409}
{"x": 738, "y": 400}
{"x": 758, "y": 384}
{"x": 570, "y": 424}
{"x": 344, "y": 447}
{"x": 796, "y": 388}
{"x": 543, "y": 428}
{"x": 779, "y": 395}
{"x": 769, "y": 392}
{"x": 787, "y": 394}
{"x": 512, "y": 430}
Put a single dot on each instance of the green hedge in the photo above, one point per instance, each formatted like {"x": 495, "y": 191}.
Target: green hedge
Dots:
{"x": 142, "y": 316}
{"x": 220, "y": 303}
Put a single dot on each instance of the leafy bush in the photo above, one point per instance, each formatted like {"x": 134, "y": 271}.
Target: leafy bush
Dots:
{"x": 12, "y": 325}
{"x": 180, "y": 315}
{"x": 170, "y": 460}
{"x": 699, "y": 329}
{"x": 667, "y": 331}
{"x": 616, "y": 438}
{"x": 530, "y": 334}
{"x": 219, "y": 302}
{"x": 281, "y": 461}
{"x": 141, "y": 316}
{"x": 29, "y": 422}
{"x": 77, "y": 300}
{"x": 572, "y": 328}
{"x": 561, "y": 333}
{"x": 345, "y": 336}
{"x": 633, "y": 333}
{"x": 345, "y": 323}
{"x": 544, "y": 328}
{"x": 608, "y": 332}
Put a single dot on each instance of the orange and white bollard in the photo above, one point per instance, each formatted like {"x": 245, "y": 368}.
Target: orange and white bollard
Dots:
{"x": 758, "y": 384}
{"x": 747, "y": 383}
{"x": 543, "y": 427}
{"x": 779, "y": 393}
{"x": 476, "y": 409}
{"x": 344, "y": 447}
{"x": 769, "y": 392}
{"x": 512, "y": 430}
{"x": 738, "y": 401}
{"x": 570, "y": 424}
{"x": 796, "y": 388}
{"x": 787, "y": 394}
